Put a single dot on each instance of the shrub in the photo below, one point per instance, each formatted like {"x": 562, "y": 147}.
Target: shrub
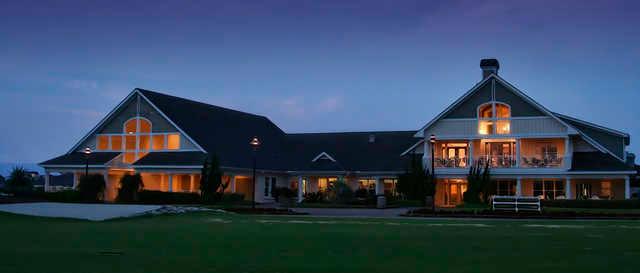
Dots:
{"x": 211, "y": 185}
{"x": 364, "y": 193}
{"x": 161, "y": 197}
{"x": 595, "y": 204}
{"x": 283, "y": 192}
{"x": 68, "y": 196}
{"x": 232, "y": 198}
{"x": 130, "y": 186}
{"x": 91, "y": 187}
{"x": 340, "y": 192}
{"x": 314, "y": 197}
{"x": 19, "y": 182}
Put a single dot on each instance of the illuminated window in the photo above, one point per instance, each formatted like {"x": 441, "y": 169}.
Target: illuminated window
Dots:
{"x": 129, "y": 157}
{"x": 494, "y": 118}
{"x": 158, "y": 142}
{"x": 144, "y": 142}
{"x": 103, "y": 143}
{"x": 116, "y": 143}
{"x": 131, "y": 126}
{"x": 130, "y": 142}
{"x": 173, "y": 141}
{"x": 605, "y": 189}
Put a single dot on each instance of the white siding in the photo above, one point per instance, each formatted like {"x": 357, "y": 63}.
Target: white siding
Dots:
{"x": 461, "y": 128}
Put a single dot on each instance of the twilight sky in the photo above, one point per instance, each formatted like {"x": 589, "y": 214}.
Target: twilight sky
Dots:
{"x": 310, "y": 66}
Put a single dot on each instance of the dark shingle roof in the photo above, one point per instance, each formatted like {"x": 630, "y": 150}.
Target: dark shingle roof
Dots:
{"x": 223, "y": 131}
{"x": 97, "y": 158}
{"x": 597, "y": 161}
{"x": 352, "y": 150}
{"x": 171, "y": 159}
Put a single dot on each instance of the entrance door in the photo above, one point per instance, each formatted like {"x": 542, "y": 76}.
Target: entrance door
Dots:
{"x": 500, "y": 154}
{"x": 453, "y": 192}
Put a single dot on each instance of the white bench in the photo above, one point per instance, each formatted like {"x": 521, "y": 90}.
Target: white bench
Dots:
{"x": 516, "y": 203}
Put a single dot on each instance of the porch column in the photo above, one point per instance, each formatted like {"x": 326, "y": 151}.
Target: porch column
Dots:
{"x": 426, "y": 157}
{"x": 192, "y": 183}
{"x": 518, "y": 155}
{"x": 627, "y": 188}
{"x": 519, "y": 186}
{"x": 75, "y": 180}
{"x": 107, "y": 186}
{"x": 233, "y": 184}
{"x": 567, "y": 188}
{"x": 568, "y": 151}
{"x": 170, "y": 183}
{"x": 379, "y": 186}
{"x": 300, "y": 185}
{"x": 46, "y": 181}
{"x": 470, "y": 153}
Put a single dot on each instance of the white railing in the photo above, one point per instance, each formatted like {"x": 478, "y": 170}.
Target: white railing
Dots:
{"x": 516, "y": 203}
{"x": 497, "y": 161}
{"x": 451, "y": 162}
{"x": 541, "y": 161}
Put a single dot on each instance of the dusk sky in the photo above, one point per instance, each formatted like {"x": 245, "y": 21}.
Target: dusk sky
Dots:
{"x": 310, "y": 66}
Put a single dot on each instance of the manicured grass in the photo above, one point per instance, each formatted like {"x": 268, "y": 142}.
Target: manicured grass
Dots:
{"x": 210, "y": 242}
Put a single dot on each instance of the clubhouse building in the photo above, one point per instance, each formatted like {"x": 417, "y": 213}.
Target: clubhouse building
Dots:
{"x": 531, "y": 150}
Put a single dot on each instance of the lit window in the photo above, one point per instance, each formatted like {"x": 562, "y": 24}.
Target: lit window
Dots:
{"x": 485, "y": 127}
{"x": 130, "y": 142}
{"x": 486, "y": 111}
{"x": 116, "y": 143}
{"x": 130, "y": 127}
{"x": 145, "y": 126}
{"x": 103, "y": 143}
{"x": 158, "y": 142}
{"x": 605, "y": 189}
{"x": 489, "y": 124}
{"x": 144, "y": 143}
{"x": 129, "y": 157}
{"x": 503, "y": 127}
{"x": 173, "y": 141}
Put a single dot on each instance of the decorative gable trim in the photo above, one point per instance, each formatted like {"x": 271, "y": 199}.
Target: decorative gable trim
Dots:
{"x": 120, "y": 105}
{"x": 420, "y": 133}
{"x": 323, "y": 155}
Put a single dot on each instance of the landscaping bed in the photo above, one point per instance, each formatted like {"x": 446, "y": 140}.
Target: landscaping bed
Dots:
{"x": 546, "y": 213}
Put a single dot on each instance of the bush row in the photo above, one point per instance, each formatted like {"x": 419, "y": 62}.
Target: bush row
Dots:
{"x": 588, "y": 204}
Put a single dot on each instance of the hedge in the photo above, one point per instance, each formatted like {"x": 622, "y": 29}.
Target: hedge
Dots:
{"x": 160, "y": 197}
{"x": 595, "y": 204}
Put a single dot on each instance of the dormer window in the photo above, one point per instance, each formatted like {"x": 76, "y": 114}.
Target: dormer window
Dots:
{"x": 494, "y": 118}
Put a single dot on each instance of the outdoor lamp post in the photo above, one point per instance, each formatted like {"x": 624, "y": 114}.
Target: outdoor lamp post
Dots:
{"x": 255, "y": 144}
{"x": 87, "y": 154}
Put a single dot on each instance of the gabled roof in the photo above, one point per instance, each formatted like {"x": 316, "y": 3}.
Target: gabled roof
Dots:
{"x": 352, "y": 151}
{"x": 597, "y": 161}
{"x": 597, "y": 133}
{"x": 171, "y": 159}
{"x": 224, "y": 132}
{"x": 80, "y": 159}
{"x": 323, "y": 156}
{"x": 460, "y": 100}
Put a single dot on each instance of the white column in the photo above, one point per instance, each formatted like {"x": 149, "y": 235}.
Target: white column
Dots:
{"x": 567, "y": 188}
{"x": 568, "y": 152}
{"x": 379, "y": 186}
{"x": 233, "y": 184}
{"x": 518, "y": 153}
{"x": 300, "y": 188}
{"x": 75, "y": 180}
{"x": 170, "y": 187}
{"x": 192, "y": 183}
{"x": 46, "y": 181}
{"x": 107, "y": 186}
{"x": 519, "y": 186}
{"x": 627, "y": 188}
{"x": 470, "y": 153}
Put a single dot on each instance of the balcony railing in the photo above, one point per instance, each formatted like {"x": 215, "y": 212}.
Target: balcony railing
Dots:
{"x": 541, "y": 162}
{"x": 497, "y": 161}
{"x": 451, "y": 162}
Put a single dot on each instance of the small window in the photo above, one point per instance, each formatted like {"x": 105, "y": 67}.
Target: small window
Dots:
{"x": 145, "y": 143}
{"x": 130, "y": 127}
{"x": 173, "y": 141}
{"x": 145, "y": 126}
{"x": 103, "y": 143}
{"x": 130, "y": 142}
{"x": 129, "y": 157}
{"x": 116, "y": 143}
{"x": 486, "y": 111}
{"x": 158, "y": 142}
{"x": 502, "y": 111}
{"x": 605, "y": 189}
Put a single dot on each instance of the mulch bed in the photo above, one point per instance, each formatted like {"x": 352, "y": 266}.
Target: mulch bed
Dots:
{"x": 522, "y": 215}
{"x": 269, "y": 211}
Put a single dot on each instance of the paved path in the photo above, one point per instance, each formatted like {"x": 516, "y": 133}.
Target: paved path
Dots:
{"x": 93, "y": 212}
{"x": 342, "y": 212}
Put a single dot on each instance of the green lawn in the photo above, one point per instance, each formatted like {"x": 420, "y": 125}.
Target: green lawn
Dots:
{"x": 210, "y": 242}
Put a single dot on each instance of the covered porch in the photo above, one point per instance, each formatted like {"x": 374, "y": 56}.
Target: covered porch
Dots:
{"x": 376, "y": 185}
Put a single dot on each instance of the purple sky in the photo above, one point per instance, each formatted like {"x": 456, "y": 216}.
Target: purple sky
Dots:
{"x": 310, "y": 66}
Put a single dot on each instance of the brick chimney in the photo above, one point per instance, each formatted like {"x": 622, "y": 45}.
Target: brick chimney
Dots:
{"x": 489, "y": 66}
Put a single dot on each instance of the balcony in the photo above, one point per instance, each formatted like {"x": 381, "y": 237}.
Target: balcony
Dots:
{"x": 452, "y": 162}
{"x": 497, "y": 161}
{"x": 541, "y": 162}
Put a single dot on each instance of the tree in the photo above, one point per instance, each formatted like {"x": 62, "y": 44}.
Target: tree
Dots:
{"x": 19, "y": 182}
{"x": 340, "y": 192}
{"x": 417, "y": 182}
{"x": 130, "y": 186}
{"x": 211, "y": 184}
{"x": 91, "y": 187}
{"x": 480, "y": 186}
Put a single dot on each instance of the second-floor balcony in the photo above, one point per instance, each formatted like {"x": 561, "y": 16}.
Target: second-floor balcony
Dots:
{"x": 497, "y": 161}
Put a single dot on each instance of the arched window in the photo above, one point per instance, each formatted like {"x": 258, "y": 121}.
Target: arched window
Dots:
{"x": 494, "y": 118}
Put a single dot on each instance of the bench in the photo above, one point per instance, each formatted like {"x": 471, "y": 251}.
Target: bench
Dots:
{"x": 516, "y": 203}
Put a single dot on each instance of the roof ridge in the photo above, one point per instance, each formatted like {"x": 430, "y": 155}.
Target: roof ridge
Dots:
{"x": 199, "y": 102}
{"x": 591, "y": 124}
{"x": 353, "y": 132}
